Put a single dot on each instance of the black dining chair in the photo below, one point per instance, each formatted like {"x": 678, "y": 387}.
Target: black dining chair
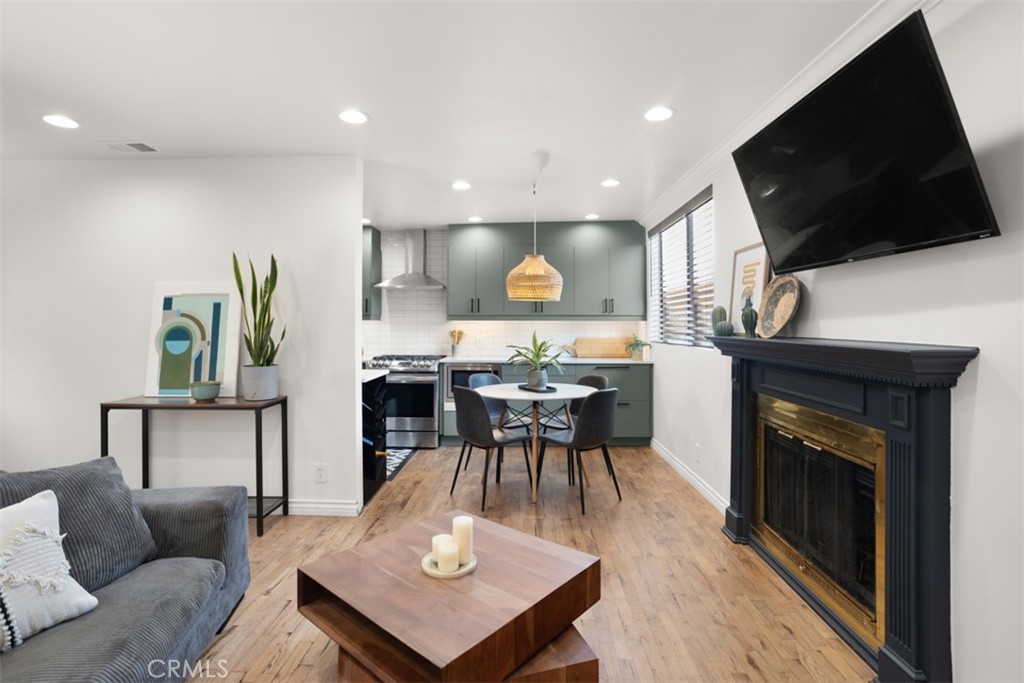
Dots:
{"x": 477, "y": 431}
{"x": 594, "y": 428}
{"x": 555, "y": 419}
{"x": 513, "y": 418}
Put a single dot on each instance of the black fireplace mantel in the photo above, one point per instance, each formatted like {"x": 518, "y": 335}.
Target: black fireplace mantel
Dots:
{"x": 904, "y": 391}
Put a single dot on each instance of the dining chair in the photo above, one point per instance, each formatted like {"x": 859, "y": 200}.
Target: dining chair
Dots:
{"x": 593, "y": 429}
{"x": 473, "y": 422}
{"x": 555, "y": 419}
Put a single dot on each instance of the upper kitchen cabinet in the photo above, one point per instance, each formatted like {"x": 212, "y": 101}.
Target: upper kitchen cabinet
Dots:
{"x": 610, "y": 281}
{"x": 371, "y": 272}
{"x": 476, "y": 284}
{"x": 603, "y": 267}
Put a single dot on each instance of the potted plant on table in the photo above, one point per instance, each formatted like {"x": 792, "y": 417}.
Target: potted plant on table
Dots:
{"x": 538, "y": 357}
{"x": 635, "y": 348}
{"x": 260, "y": 379}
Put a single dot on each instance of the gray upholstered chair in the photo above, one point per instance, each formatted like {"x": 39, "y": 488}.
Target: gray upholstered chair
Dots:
{"x": 473, "y": 422}
{"x": 555, "y": 419}
{"x": 594, "y": 428}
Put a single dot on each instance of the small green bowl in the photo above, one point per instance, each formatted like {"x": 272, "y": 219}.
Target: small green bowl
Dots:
{"x": 204, "y": 392}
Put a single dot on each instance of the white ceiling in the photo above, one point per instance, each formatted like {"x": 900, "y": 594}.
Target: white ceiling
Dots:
{"x": 455, "y": 90}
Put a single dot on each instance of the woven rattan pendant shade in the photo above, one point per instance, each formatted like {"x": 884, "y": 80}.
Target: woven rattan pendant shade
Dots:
{"x": 534, "y": 280}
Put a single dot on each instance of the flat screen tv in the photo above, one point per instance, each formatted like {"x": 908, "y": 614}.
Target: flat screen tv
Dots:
{"x": 874, "y": 161}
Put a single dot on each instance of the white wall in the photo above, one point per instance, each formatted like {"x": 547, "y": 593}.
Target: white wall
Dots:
{"x": 83, "y": 244}
{"x": 969, "y": 294}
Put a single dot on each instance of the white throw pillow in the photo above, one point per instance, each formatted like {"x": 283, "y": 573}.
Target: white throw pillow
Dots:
{"x": 36, "y": 589}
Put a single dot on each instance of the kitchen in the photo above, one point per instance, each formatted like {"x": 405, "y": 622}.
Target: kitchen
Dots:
{"x": 414, "y": 322}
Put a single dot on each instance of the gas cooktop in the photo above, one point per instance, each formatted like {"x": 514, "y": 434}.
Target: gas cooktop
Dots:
{"x": 404, "y": 363}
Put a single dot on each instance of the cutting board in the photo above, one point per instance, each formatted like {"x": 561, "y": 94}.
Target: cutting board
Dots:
{"x": 602, "y": 347}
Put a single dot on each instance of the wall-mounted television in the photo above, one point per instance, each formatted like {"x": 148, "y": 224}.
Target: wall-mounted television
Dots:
{"x": 874, "y": 161}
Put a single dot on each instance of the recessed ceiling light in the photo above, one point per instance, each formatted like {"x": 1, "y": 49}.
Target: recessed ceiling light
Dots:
{"x": 591, "y": 216}
{"x": 366, "y": 221}
{"x": 659, "y": 113}
{"x": 353, "y": 116}
{"x": 610, "y": 182}
{"x": 461, "y": 185}
{"x": 474, "y": 219}
{"x": 60, "y": 121}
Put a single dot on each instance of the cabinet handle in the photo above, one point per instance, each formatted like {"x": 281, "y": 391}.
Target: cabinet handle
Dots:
{"x": 606, "y": 305}
{"x": 611, "y": 367}
{"x": 811, "y": 445}
{"x": 785, "y": 434}
{"x": 541, "y": 304}
{"x": 472, "y": 305}
{"x": 626, "y": 403}
{"x": 613, "y": 305}
{"x": 366, "y": 305}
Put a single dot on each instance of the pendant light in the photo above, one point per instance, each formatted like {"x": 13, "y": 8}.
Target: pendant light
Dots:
{"x": 534, "y": 279}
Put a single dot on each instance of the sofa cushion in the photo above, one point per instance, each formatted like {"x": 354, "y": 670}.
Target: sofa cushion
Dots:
{"x": 36, "y": 591}
{"x": 107, "y": 536}
{"x": 139, "y": 623}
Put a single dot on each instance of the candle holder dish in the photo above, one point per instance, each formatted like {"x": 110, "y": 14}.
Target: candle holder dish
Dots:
{"x": 429, "y": 567}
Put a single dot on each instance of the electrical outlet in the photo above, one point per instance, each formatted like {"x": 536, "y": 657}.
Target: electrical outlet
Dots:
{"x": 696, "y": 452}
{"x": 320, "y": 472}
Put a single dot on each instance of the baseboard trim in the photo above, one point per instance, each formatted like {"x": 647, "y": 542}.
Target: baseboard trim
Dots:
{"x": 323, "y": 508}
{"x": 689, "y": 475}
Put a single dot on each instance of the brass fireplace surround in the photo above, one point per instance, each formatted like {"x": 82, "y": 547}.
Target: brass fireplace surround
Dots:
{"x": 863, "y": 446}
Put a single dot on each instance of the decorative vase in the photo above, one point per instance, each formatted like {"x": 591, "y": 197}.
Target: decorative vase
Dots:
{"x": 455, "y": 350}
{"x": 537, "y": 379}
{"x": 259, "y": 383}
{"x": 749, "y": 319}
{"x": 636, "y": 355}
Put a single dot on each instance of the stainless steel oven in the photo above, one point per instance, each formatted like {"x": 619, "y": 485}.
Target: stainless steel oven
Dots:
{"x": 412, "y": 398}
{"x": 457, "y": 375}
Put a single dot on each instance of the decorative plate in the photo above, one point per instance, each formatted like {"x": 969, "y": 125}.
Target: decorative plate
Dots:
{"x": 778, "y": 305}
{"x": 429, "y": 567}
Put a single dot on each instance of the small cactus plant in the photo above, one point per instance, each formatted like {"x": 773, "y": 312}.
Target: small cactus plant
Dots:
{"x": 749, "y": 319}
{"x": 718, "y": 315}
{"x": 723, "y": 328}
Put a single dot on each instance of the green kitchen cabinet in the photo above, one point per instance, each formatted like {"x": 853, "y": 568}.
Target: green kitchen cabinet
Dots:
{"x": 476, "y": 280}
{"x": 371, "y": 273}
{"x": 560, "y": 257}
{"x": 634, "y": 424}
{"x": 610, "y": 281}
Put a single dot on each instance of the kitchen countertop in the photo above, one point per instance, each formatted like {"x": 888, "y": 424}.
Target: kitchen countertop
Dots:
{"x": 563, "y": 360}
{"x": 370, "y": 375}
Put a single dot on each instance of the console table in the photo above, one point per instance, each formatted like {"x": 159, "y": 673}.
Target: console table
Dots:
{"x": 259, "y": 505}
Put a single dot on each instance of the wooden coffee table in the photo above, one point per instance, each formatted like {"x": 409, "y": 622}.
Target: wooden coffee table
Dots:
{"x": 511, "y": 619}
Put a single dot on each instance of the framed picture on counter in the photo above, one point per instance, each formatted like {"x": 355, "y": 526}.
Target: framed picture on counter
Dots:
{"x": 750, "y": 268}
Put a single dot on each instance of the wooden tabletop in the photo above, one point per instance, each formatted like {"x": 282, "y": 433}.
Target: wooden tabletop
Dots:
{"x": 512, "y": 392}
{"x": 186, "y": 402}
{"x": 524, "y": 592}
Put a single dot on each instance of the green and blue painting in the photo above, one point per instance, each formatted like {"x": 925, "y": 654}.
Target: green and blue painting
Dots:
{"x": 191, "y": 341}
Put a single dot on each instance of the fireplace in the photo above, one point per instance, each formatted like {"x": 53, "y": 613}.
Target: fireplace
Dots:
{"x": 840, "y": 481}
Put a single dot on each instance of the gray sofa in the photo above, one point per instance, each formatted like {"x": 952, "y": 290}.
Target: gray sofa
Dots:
{"x": 180, "y": 566}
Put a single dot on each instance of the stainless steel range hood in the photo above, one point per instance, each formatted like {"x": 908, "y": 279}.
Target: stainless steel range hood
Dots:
{"x": 415, "y": 276}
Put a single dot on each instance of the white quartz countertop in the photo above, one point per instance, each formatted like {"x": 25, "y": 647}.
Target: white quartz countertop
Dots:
{"x": 370, "y": 375}
{"x": 564, "y": 360}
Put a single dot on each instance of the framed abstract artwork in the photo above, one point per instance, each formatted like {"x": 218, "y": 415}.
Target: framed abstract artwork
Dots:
{"x": 194, "y": 336}
{"x": 750, "y": 268}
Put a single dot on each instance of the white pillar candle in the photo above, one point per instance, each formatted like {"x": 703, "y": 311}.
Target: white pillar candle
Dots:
{"x": 462, "y": 532}
{"x": 447, "y": 557}
{"x": 436, "y": 541}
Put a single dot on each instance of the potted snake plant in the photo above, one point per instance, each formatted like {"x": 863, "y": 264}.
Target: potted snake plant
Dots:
{"x": 537, "y": 356}
{"x": 260, "y": 379}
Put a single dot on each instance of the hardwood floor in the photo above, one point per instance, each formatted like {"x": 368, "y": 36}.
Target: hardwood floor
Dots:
{"x": 680, "y": 603}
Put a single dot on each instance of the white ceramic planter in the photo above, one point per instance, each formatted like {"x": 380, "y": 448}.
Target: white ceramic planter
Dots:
{"x": 259, "y": 383}
{"x": 537, "y": 379}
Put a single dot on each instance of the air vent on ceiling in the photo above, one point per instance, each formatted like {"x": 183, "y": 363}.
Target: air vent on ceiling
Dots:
{"x": 130, "y": 147}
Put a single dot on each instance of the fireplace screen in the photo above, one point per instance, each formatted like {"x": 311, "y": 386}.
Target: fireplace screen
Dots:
{"x": 818, "y": 492}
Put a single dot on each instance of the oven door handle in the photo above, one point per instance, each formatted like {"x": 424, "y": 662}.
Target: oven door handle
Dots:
{"x": 411, "y": 379}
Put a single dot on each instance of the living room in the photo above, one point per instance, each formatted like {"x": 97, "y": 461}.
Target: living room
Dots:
{"x": 87, "y": 232}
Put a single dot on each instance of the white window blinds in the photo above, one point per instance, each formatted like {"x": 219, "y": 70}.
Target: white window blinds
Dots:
{"x": 682, "y": 253}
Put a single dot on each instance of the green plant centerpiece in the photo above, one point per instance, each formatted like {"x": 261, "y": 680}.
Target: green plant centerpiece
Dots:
{"x": 635, "y": 348}
{"x": 260, "y": 379}
{"x": 537, "y": 356}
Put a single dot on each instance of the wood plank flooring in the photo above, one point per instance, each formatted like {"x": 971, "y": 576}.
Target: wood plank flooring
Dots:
{"x": 680, "y": 603}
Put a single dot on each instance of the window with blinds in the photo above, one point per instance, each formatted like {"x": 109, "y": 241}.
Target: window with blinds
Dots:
{"x": 682, "y": 253}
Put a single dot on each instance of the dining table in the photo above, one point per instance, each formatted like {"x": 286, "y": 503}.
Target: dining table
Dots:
{"x": 553, "y": 392}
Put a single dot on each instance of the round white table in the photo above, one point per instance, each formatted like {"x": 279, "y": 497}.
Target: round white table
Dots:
{"x": 512, "y": 392}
